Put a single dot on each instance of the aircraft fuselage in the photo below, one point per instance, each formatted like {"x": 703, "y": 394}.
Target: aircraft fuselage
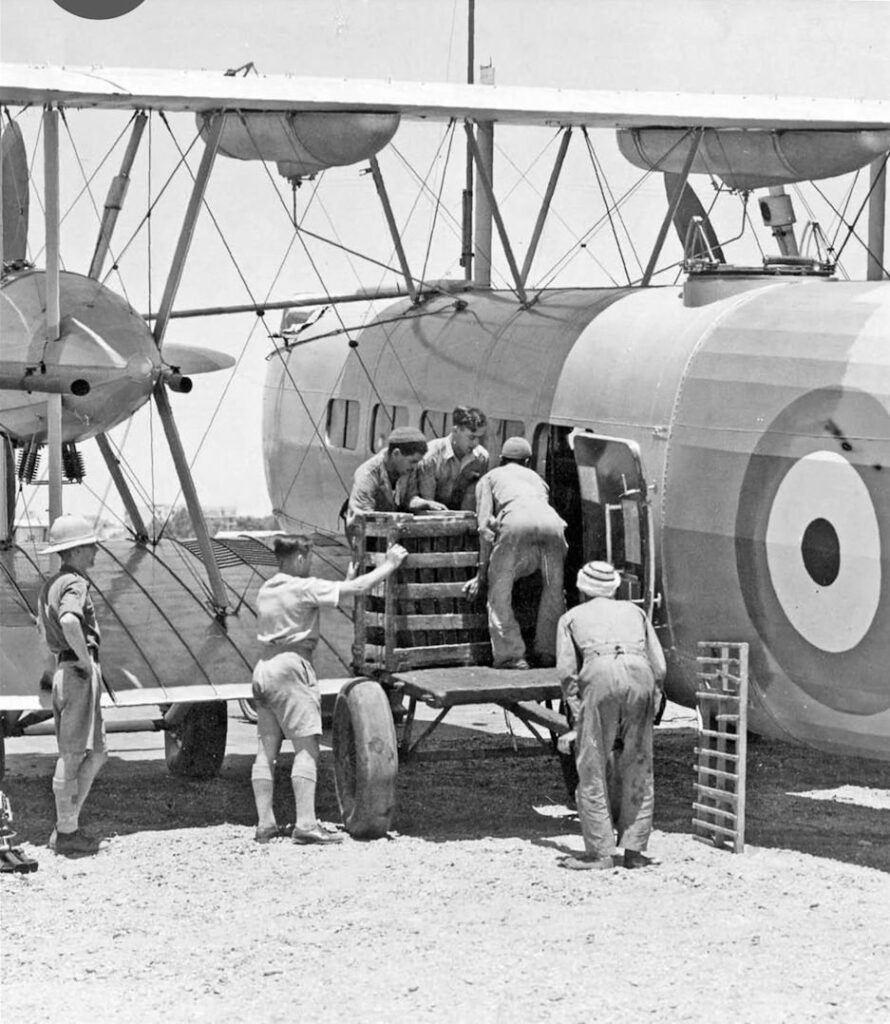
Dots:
{"x": 762, "y": 417}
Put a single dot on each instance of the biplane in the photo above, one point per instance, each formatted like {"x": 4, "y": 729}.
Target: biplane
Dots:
{"x": 723, "y": 438}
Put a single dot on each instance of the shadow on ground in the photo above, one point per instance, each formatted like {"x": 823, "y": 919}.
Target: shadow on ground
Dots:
{"x": 480, "y": 797}
{"x": 776, "y": 816}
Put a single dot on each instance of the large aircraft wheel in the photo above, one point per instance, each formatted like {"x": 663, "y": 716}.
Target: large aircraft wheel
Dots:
{"x": 196, "y": 746}
{"x": 366, "y": 759}
{"x": 248, "y": 710}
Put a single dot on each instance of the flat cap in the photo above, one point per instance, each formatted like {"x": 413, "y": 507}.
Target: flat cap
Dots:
{"x": 516, "y": 448}
{"x": 406, "y": 435}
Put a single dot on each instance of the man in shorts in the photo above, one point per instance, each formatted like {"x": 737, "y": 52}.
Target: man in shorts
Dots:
{"x": 67, "y": 622}
{"x": 285, "y": 688}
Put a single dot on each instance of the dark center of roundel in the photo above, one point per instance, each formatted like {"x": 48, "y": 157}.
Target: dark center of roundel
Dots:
{"x": 821, "y": 552}
{"x": 98, "y": 10}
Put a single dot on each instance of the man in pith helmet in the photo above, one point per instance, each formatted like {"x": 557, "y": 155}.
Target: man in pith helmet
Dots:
{"x": 66, "y": 620}
{"x": 610, "y": 665}
{"x": 519, "y": 532}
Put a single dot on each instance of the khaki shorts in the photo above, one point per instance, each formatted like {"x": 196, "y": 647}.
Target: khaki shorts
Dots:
{"x": 77, "y": 709}
{"x": 285, "y": 683}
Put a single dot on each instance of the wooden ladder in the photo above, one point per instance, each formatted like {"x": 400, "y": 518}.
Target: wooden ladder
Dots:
{"x": 722, "y": 705}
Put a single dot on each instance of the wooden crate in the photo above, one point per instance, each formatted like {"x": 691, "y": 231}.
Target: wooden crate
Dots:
{"x": 722, "y": 704}
{"x": 419, "y": 617}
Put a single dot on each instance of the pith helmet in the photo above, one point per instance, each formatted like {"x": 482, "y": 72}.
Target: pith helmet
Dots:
{"x": 516, "y": 448}
{"x": 69, "y": 532}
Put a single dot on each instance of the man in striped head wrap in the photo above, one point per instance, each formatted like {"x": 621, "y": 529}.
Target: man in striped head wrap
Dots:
{"x": 610, "y": 664}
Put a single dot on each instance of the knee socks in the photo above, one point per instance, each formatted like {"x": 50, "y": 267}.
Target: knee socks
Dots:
{"x": 262, "y": 782}
{"x": 303, "y": 777}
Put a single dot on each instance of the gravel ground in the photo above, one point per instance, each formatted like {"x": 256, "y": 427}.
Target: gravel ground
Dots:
{"x": 462, "y": 914}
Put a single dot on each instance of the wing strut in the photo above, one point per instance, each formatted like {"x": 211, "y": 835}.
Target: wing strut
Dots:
{"x": 52, "y": 300}
{"x": 485, "y": 180}
{"x": 393, "y": 228}
{"x": 877, "y": 206}
{"x": 672, "y": 207}
{"x": 545, "y": 205}
{"x": 114, "y": 202}
{"x": 162, "y": 399}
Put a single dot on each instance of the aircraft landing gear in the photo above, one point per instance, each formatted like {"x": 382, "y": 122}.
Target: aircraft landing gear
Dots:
{"x": 195, "y": 740}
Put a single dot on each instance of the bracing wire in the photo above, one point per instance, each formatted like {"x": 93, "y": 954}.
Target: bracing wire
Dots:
{"x": 87, "y": 188}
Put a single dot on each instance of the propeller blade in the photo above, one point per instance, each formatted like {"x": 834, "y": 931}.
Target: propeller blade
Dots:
{"x": 191, "y": 359}
{"x": 15, "y": 193}
{"x": 690, "y": 206}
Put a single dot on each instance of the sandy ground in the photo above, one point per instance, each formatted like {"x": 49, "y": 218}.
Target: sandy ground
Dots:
{"x": 462, "y": 914}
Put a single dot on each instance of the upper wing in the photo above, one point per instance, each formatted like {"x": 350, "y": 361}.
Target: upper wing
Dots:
{"x": 131, "y": 88}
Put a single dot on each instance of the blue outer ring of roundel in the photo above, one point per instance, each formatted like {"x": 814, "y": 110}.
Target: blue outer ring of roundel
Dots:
{"x": 98, "y": 10}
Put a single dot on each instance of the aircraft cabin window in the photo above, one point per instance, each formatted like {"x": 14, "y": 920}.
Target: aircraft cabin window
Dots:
{"x": 435, "y": 424}
{"x": 384, "y": 419}
{"x": 341, "y": 430}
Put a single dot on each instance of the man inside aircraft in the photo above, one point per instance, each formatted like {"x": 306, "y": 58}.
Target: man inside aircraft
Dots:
{"x": 453, "y": 464}
{"x": 387, "y": 482}
{"x": 285, "y": 688}
{"x": 66, "y": 620}
{"x": 610, "y": 665}
{"x": 519, "y": 533}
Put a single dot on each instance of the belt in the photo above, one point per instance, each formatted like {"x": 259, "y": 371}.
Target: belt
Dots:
{"x": 614, "y": 650}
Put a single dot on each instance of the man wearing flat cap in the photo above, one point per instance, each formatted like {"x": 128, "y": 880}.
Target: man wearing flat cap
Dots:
{"x": 387, "y": 482}
{"x": 519, "y": 533}
{"x": 610, "y": 665}
{"x": 67, "y": 622}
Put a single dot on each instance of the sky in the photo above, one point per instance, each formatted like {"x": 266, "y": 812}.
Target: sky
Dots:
{"x": 799, "y": 47}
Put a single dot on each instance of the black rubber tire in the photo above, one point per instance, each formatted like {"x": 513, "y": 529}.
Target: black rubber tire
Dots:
{"x": 366, "y": 759}
{"x": 248, "y": 710}
{"x": 197, "y": 745}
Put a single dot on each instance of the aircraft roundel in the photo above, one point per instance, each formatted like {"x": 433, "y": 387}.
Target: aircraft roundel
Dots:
{"x": 98, "y": 10}
{"x": 812, "y": 526}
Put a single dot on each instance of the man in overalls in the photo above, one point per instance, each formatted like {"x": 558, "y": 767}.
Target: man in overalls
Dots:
{"x": 610, "y": 665}
{"x": 519, "y": 533}
{"x": 66, "y": 620}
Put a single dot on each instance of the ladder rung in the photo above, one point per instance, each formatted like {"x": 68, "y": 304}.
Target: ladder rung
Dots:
{"x": 714, "y": 810}
{"x": 707, "y": 752}
{"x": 709, "y": 660}
{"x": 715, "y": 695}
{"x": 716, "y": 828}
{"x": 719, "y": 675}
{"x": 717, "y": 772}
{"x": 726, "y": 718}
{"x": 732, "y": 736}
{"x": 723, "y": 794}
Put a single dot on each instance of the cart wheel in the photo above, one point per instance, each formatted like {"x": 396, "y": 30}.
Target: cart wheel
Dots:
{"x": 197, "y": 745}
{"x": 365, "y": 759}
{"x": 248, "y": 710}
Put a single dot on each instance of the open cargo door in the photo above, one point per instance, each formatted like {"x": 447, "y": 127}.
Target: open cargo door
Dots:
{"x": 616, "y": 516}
